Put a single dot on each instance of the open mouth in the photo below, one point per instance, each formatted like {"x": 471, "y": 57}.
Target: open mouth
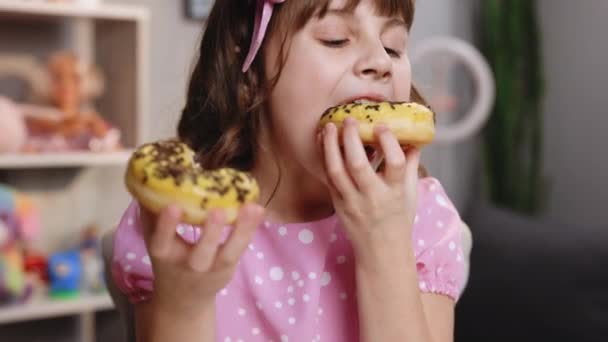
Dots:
{"x": 362, "y": 100}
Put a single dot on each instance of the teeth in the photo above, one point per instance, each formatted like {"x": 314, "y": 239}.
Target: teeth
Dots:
{"x": 364, "y": 101}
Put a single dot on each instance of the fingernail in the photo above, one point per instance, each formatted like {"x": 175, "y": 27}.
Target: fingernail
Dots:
{"x": 350, "y": 121}
{"x": 381, "y": 128}
{"x": 216, "y": 216}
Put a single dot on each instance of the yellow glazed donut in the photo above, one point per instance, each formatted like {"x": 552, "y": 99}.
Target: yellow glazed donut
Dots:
{"x": 164, "y": 172}
{"x": 412, "y": 123}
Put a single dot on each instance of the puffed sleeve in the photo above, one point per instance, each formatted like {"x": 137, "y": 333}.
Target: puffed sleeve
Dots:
{"x": 131, "y": 266}
{"x": 437, "y": 237}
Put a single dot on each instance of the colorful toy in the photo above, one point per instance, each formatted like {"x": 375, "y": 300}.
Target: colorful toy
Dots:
{"x": 13, "y": 287}
{"x": 37, "y": 264}
{"x": 92, "y": 261}
{"x": 26, "y": 275}
{"x": 19, "y": 223}
{"x": 24, "y": 210}
{"x": 36, "y": 271}
{"x": 65, "y": 271}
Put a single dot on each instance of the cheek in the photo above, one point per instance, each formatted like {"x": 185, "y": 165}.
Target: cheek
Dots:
{"x": 403, "y": 81}
{"x": 307, "y": 81}
{"x": 301, "y": 96}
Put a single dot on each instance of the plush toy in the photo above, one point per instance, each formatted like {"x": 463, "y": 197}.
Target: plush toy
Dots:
{"x": 13, "y": 132}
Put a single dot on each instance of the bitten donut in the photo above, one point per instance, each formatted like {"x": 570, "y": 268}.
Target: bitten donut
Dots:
{"x": 412, "y": 123}
{"x": 164, "y": 172}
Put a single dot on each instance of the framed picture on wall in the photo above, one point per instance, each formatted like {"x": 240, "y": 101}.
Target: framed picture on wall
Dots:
{"x": 197, "y": 9}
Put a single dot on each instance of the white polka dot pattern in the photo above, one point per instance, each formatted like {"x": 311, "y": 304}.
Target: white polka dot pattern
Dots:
{"x": 296, "y": 282}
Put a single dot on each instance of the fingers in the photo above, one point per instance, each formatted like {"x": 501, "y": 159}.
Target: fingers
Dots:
{"x": 148, "y": 222}
{"x": 249, "y": 218}
{"x": 357, "y": 162}
{"x": 163, "y": 236}
{"x": 203, "y": 254}
{"x": 395, "y": 160}
{"x": 334, "y": 163}
{"x": 162, "y": 240}
{"x": 411, "y": 169}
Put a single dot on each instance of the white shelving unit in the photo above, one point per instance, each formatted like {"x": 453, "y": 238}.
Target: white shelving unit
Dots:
{"x": 62, "y": 160}
{"x": 115, "y": 38}
{"x": 58, "y": 9}
{"x": 55, "y": 308}
{"x": 84, "y": 307}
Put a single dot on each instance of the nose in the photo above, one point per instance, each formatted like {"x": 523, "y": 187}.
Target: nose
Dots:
{"x": 374, "y": 63}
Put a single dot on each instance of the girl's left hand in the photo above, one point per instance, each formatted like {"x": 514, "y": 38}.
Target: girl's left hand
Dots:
{"x": 376, "y": 209}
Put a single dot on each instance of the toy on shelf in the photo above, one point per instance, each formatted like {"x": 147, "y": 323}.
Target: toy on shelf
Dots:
{"x": 19, "y": 224}
{"x": 26, "y": 275}
{"x": 59, "y": 116}
{"x": 36, "y": 271}
{"x": 92, "y": 261}
{"x": 13, "y": 286}
{"x": 64, "y": 273}
{"x": 78, "y": 270}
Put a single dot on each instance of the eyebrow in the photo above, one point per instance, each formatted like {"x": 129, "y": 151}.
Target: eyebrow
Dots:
{"x": 390, "y": 23}
{"x": 341, "y": 12}
{"x": 395, "y": 22}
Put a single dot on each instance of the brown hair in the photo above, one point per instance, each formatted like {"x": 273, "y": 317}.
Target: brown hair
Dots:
{"x": 224, "y": 106}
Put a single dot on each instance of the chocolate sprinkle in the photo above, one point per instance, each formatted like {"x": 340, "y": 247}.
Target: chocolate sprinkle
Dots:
{"x": 167, "y": 162}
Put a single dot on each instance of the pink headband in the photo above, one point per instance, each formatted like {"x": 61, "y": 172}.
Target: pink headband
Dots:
{"x": 262, "y": 18}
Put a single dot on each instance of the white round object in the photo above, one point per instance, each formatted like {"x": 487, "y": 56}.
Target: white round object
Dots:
{"x": 481, "y": 73}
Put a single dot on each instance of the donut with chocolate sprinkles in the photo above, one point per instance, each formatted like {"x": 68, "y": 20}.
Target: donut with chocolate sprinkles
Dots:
{"x": 412, "y": 123}
{"x": 164, "y": 172}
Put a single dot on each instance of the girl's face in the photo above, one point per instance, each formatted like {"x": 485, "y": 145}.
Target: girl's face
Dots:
{"x": 335, "y": 59}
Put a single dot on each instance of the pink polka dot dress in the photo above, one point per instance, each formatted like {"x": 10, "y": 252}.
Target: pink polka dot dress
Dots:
{"x": 296, "y": 282}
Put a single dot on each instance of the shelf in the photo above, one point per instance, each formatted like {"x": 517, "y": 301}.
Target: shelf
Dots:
{"x": 67, "y": 159}
{"x": 48, "y": 9}
{"x": 55, "y": 308}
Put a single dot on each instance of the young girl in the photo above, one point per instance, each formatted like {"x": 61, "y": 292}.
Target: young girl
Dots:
{"x": 336, "y": 251}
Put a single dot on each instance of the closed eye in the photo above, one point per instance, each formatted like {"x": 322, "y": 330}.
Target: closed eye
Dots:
{"x": 336, "y": 43}
{"x": 392, "y": 52}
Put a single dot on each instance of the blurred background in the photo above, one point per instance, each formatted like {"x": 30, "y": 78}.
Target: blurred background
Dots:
{"x": 518, "y": 86}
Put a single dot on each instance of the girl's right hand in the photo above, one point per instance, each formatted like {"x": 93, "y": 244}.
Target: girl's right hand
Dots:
{"x": 187, "y": 277}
